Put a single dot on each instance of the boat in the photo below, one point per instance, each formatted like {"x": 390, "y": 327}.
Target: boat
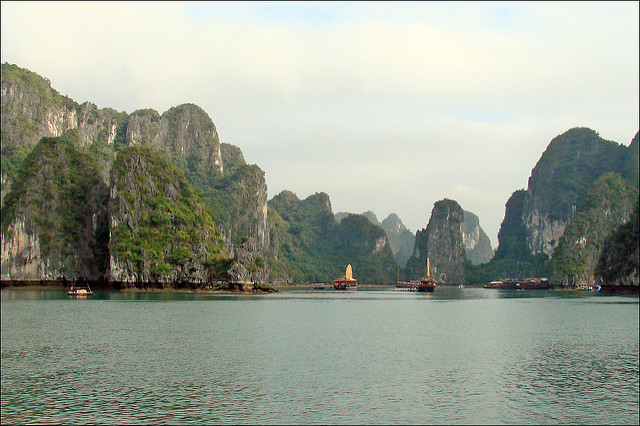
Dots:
{"x": 427, "y": 284}
{"x": 534, "y": 284}
{"x": 80, "y": 290}
{"x": 407, "y": 286}
{"x": 347, "y": 282}
{"x": 505, "y": 284}
{"x": 587, "y": 287}
{"x": 518, "y": 284}
{"x": 318, "y": 286}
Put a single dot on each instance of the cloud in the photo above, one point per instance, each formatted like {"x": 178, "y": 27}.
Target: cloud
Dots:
{"x": 385, "y": 106}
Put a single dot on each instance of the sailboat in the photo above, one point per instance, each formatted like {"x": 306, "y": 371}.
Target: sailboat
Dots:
{"x": 347, "y": 282}
{"x": 427, "y": 284}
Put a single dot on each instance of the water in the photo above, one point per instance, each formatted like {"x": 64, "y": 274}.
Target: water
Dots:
{"x": 366, "y": 357}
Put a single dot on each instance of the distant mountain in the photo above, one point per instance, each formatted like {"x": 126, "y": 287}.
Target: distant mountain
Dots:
{"x": 309, "y": 244}
{"x": 477, "y": 245}
{"x": 400, "y": 238}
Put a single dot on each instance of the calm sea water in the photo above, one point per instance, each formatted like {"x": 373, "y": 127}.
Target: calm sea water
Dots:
{"x": 365, "y": 357}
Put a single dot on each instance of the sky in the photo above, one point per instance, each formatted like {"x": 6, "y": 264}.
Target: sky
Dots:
{"x": 385, "y": 106}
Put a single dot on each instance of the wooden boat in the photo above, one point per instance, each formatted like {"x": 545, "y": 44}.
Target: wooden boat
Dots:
{"x": 407, "y": 286}
{"x": 427, "y": 284}
{"x": 80, "y": 290}
{"x": 534, "y": 284}
{"x": 517, "y": 284}
{"x": 505, "y": 284}
{"x": 347, "y": 282}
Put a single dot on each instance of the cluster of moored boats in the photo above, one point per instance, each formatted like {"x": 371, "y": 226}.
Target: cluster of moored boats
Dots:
{"x": 348, "y": 282}
{"x": 533, "y": 284}
{"x": 517, "y": 284}
{"x": 428, "y": 284}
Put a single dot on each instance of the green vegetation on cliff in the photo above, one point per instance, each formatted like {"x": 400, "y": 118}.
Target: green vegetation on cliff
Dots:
{"x": 21, "y": 129}
{"x": 606, "y": 206}
{"x": 159, "y": 220}
{"x": 59, "y": 195}
{"x": 512, "y": 257}
{"x": 569, "y": 166}
{"x": 619, "y": 262}
{"x": 184, "y": 134}
{"x": 309, "y": 245}
{"x": 536, "y": 219}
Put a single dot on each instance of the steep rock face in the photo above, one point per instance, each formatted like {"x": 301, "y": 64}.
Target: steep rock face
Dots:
{"x": 442, "y": 242}
{"x": 619, "y": 261}
{"x": 607, "y": 205}
{"x": 476, "y": 243}
{"x": 239, "y": 205}
{"x": 561, "y": 178}
{"x": 237, "y": 196}
{"x": 160, "y": 231}
{"x": 247, "y": 265}
{"x": 32, "y": 109}
{"x": 54, "y": 221}
{"x": 185, "y": 134}
{"x": 512, "y": 243}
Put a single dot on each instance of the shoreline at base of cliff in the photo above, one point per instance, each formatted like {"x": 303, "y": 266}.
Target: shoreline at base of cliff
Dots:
{"x": 219, "y": 288}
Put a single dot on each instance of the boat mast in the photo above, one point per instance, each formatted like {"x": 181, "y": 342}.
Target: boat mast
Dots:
{"x": 428, "y": 268}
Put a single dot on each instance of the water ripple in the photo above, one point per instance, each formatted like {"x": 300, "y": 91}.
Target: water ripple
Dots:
{"x": 374, "y": 358}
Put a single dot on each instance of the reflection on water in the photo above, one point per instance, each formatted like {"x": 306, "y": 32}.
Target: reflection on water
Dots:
{"x": 371, "y": 356}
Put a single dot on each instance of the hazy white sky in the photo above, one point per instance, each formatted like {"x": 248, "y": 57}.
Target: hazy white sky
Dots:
{"x": 387, "y": 107}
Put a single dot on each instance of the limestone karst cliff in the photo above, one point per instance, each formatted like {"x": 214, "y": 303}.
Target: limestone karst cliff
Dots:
{"x": 160, "y": 230}
{"x": 476, "y": 243}
{"x": 185, "y": 134}
{"x": 54, "y": 220}
{"x": 619, "y": 261}
{"x": 442, "y": 242}
{"x": 32, "y": 109}
{"x": 536, "y": 219}
{"x": 608, "y": 204}
{"x": 566, "y": 170}
{"x": 308, "y": 244}
{"x": 400, "y": 238}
